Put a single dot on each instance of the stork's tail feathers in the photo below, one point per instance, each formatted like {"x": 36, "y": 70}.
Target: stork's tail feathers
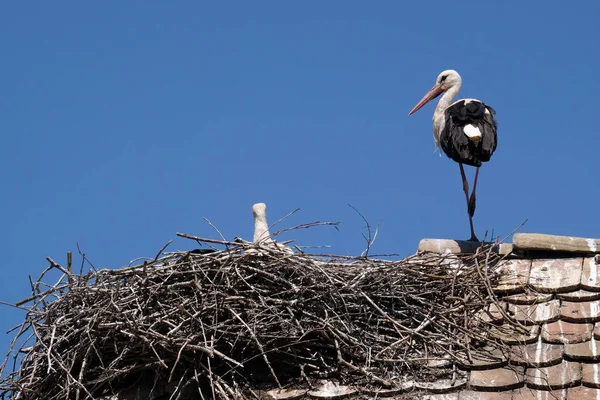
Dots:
{"x": 473, "y": 133}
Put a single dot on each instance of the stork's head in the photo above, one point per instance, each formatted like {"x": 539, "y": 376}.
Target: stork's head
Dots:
{"x": 259, "y": 210}
{"x": 446, "y": 79}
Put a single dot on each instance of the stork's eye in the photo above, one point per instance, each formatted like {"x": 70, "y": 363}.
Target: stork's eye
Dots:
{"x": 443, "y": 78}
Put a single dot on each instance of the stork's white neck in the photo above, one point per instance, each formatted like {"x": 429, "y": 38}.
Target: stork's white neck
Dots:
{"x": 261, "y": 228}
{"x": 438, "y": 116}
{"x": 447, "y": 98}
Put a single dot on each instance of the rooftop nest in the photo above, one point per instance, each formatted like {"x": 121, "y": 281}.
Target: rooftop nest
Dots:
{"x": 248, "y": 317}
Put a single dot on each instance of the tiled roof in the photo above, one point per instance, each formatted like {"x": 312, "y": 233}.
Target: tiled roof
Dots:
{"x": 551, "y": 285}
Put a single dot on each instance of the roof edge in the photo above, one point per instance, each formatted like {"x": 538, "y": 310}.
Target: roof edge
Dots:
{"x": 523, "y": 244}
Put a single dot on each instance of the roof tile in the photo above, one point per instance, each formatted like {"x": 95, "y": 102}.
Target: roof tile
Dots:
{"x": 535, "y": 241}
{"x": 534, "y": 394}
{"x": 514, "y": 275}
{"x": 566, "y": 332}
{"x": 481, "y": 359}
{"x": 286, "y": 394}
{"x": 442, "y": 385}
{"x": 536, "y": 313}
{"x": 403, "y": 387}
{"x": 579, "y": 295}
{"x": 510, "y": 335}
{"x": 438, "y": 362}
{"x": 473, "y": 395}
{"x": 538, "y": 354}
{"x": 492, "y": 314}
{"x": 497, "y": 379}
{"x": 330, "y": 391}
{"x": 559, "y": 376}
{"x": 596, "y": 331}
{"x": 583, "y": 393}
{"x": 586, "y": 351}
{"x": 591, "y": 375}
{"x": 442, "y": 246}
{"x": 529, "y": 298}
{"x": 580, "y": 312}
{"x": 556, "y": 275}
{"x": 446, "y": 396}
{"x": 590, "y": 277}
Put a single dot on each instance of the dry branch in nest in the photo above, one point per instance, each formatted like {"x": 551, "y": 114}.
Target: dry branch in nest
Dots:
{"x": 219, "y": 324}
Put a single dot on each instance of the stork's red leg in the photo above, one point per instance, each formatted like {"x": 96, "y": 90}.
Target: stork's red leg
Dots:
{"x": 465, "y": 182}
{"x": 472, "y": 199}
{"x": 466, "y": 190}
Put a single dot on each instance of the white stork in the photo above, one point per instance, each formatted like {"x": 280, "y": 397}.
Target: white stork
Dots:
{"x": 465, "y": 130}
{"x": 261, "y": 228}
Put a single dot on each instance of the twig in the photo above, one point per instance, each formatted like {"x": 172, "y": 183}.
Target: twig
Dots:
{"x": 306, "y": 226}
{"x": 161, "y": 250}
{"x": 283, "y": 218}
{"x": 370, "y": 239}
{"x": 84, "y": 259}
{"x": 224, "y": 242}
{"x": 215, "y": 228}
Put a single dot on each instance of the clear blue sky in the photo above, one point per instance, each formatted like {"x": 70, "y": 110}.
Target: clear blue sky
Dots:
{"x": 125, "y": 122}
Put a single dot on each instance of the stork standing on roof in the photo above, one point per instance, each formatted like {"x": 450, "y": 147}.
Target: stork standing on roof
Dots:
{"x": 261, "y": 228}
{"x": 465, "y": 130}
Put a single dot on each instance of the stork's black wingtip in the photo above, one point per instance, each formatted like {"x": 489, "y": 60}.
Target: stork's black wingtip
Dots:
{"x": 202, "y": 251}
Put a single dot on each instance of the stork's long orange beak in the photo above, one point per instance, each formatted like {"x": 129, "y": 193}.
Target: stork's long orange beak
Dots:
{"x": 432, "y": 94}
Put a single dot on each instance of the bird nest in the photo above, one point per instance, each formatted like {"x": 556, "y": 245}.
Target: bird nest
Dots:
{"x": 248, "y": 317}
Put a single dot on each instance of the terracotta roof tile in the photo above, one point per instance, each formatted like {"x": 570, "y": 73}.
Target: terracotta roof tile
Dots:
{"x": 492, "y": 314}
{"x": 556, "y": 275}
{"x": 583, "y": 393}
{"x": 509, "y": 335}
{"x": 538, "y": 354}
{"x": 514, "y": 275}
{"x": 331, "y": 391}
{"x": 579, "y": 295}
{"x": 536, "y": 313}
{"x": 446, "y": 396}
{"x": 596, "y": 331}
{"x": 580, "y": 311}
{"x": 586, "y": 351}
{"x": 591, "y": 374}
{"x": 492, "y": 359}
{"x": 442, "y": 385}
{"x": 566, "y": 332}
{"x": 286, "y": 394}
{"x": 403, "y": 387}
{"x": 442, "y": 246}
{"x": 497, "y": 379}
{"x": 439, "y": 362}
{"x": 590, "y": 277}
{"x": 473, "y": 395}
{"x": 534, "y": 394}
{"x": 528, "y": 298}
{"x": 559, "y": 376}
{"x": 540, "y": 242}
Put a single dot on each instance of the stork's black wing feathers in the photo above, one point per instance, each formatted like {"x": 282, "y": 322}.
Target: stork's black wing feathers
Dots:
{"x": 456, "y": 144}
